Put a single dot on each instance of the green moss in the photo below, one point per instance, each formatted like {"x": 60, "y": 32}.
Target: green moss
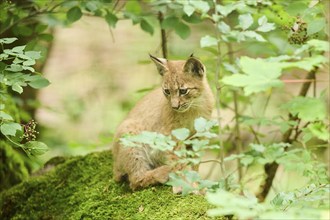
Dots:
{"x": 83, "y": 188}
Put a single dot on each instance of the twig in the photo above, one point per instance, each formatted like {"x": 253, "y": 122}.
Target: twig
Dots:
{"x": 218, "y": 89}
{"x": 238, "y": 140}
{"x": 211, "y": 160}
{"x": 255, "y": 134}
{"x": 302, "y": 80}
{"x": 46, "y": 11}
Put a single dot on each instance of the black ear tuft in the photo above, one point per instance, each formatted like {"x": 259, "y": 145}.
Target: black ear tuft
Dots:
{"x": 192, "y": 55}
{"x": 194, "y": 66}
{"x": 160, "y": 64}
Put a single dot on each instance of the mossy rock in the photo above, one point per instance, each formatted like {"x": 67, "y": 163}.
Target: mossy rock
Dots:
{"x": 82, "y": 188}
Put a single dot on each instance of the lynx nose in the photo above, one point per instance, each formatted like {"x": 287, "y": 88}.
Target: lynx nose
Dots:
{"x": 176, "y": 107}
{"x": 175, "y": 104}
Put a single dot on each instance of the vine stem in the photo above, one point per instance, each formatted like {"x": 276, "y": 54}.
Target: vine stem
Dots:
{"x": 238, "y": 141}
{"x": 211, "y": 161}
{"x": 218, "y": 91}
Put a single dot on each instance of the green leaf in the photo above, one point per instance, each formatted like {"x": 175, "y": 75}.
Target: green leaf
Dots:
{"x": 36, "y": 148}
{"x": 319, "y": 45}
{"x": 33, "y": 54}
{"x": 306, "y": 108}
{"x": 5, "y": 116}
{"x": 28, "y": 68}
{"x": 152, "y": 139}
{"x": 41, "y": 27}
{"x": 259, "y": 66}
{"x": 181, "y": 133}
{"x": 92, "y": 6}
{"x": 315, "y": 26}
{"x": 245, "y": 21}
{"x": 247, "y": 160}
{"x": 259, "y": 76}
{"x": 46, "y": 37}
{"x": 188, "y": 9}
{"x": 208, "y": 41}
{"x": 111, "y": 19}
{"x": 10, "y": 128}
{"x": 182, "y": 30}
{"x": 8, "y": 40}
{"x": 262, "y": 20}
{"x": 227, "y": 9}
{"x": 253, "y": 34}
{"x": 224, "y": 28}
{"x": 15, "y": 68}
{"x": 177, "y": 181}
{"x": 24, "y": 30}
{"x": 170, "y": 22}
{"x": 146, "y": 26}
{"x": 201, "y": 6}
{"x": 319, "y": 130}
{"x": 38, "y": 82}
{"x": 307, "y": 63}
{"x": 230, "y": 68}
{"x": 197, "y": 144}
{"x": 18, "y": 49}
{"x": 179, "y": 27}
{"x": 200, "y": 124}
{"x": 258, "y": 147}
{"x": 17, "y": 88}
{"x": 233, "y": 157}
{"x": 74, "y": 14}
{"x": 29, "y": 63}
{"x": 193, "y": 19}
{"x": 264, "y": 26}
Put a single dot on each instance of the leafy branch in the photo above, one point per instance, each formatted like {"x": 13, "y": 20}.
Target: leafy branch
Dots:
{"x": 15, "y": 73}
{"x": 270, "y": 169}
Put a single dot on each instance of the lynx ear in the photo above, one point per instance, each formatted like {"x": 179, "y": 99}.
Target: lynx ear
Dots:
{"x": 160, "y": 64}
{"x": 194, "y": 67}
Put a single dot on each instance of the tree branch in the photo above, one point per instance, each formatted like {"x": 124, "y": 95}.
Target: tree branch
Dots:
{"x": 163, "y": 35}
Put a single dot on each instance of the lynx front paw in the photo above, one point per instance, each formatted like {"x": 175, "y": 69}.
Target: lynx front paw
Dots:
{"x": 161, "y": 173}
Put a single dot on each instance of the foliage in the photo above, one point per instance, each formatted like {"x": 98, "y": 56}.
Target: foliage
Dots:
{"x": 239, "y": 22}
{"x": 244, "y": 207}
{"x": 16, "y": 72}
{"x": 302, "y": 204}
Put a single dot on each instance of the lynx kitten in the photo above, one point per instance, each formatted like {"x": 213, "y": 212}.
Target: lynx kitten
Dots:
{"x": 184, "y": 96}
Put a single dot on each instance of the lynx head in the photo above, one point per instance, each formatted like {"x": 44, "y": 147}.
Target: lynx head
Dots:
{"x": 183, "y": 82}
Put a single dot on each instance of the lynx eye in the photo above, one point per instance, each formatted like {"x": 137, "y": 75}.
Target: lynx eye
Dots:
{"x": 183, "y": 91}
{"x": 166, "y": 91}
